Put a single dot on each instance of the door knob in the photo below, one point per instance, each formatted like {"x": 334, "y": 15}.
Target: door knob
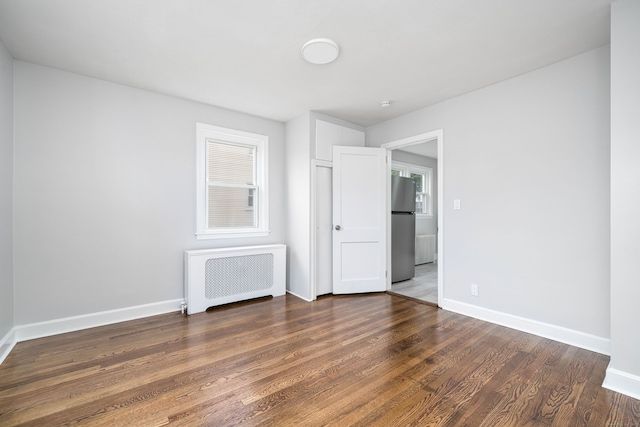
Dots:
{"x": 338, "y": 227}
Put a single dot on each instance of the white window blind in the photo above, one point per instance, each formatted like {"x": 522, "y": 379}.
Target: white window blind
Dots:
{"x": 232, "y": 186}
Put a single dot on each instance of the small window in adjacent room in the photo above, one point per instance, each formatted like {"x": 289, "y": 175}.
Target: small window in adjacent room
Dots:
{"x": 232, "y": 189}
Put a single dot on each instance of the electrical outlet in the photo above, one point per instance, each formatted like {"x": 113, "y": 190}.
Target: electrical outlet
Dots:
{"x": 474, "y": 290}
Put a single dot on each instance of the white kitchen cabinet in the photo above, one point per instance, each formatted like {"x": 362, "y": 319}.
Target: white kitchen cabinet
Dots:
{"x": 330, "y": 134}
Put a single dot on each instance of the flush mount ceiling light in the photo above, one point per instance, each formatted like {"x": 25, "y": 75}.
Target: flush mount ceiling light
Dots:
{"x": 320, "y": 51}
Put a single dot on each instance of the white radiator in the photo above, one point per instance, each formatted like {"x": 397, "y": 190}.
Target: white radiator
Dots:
{"x": 221, "y": 276}
{"x": 425, "y": 248}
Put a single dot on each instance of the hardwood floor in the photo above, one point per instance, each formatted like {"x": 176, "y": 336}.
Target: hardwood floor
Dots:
{"x": 367, "y": 360}
{"x": 423, "y": 287}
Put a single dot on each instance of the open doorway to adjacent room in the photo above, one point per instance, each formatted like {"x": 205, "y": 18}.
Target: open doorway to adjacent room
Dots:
{"x": 419, "y": 161}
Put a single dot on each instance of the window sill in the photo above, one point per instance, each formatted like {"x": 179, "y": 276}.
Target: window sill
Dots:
{"x": 232, "y": 235}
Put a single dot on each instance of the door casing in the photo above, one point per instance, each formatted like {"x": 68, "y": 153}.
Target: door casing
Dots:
{"x": 438, "y": 136}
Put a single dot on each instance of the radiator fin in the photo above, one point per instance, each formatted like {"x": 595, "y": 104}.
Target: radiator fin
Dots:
{"x": 238, "y": 274}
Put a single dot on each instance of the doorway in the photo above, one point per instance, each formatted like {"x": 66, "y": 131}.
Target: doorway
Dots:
{"x": 322, "y": 226}
{"x": 428, "y": 283}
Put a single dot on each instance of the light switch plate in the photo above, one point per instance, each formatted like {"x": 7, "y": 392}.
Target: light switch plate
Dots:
{"x": 456, "y": 204}
{"x": 474, "y": 290}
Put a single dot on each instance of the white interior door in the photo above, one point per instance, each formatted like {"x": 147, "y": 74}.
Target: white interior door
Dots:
{"x": 359, "y": 220}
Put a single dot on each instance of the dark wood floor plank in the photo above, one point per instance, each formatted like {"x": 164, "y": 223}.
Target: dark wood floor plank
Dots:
{"x": 490, "y": 397}
{"x": 369, "y": 360}
{"x": 519, "y": 388}
{"x": 563, "y": 401}
{"x": 378, "y": 381}
{"x": 445, "y": 408}
{"x": 587, "y": 410}
{"x": 435, "y": 370}
{"x": 364, "y": 372}
{"x": 401, "y": 366}
{"x": 524, "y": 399}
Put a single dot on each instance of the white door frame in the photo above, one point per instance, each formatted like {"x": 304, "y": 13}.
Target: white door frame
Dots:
{"x": 438, "y": 136}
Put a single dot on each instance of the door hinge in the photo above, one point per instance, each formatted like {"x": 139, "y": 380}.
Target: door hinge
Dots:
{"x": 385, "y": 274}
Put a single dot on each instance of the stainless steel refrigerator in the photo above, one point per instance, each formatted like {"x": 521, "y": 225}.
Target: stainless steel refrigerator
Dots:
{"x": 403, "y": 228}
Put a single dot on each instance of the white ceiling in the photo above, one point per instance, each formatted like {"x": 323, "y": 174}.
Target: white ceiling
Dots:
{"x": 245, "y": 54}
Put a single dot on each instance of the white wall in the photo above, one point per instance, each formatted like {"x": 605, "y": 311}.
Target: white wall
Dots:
{"x": 297, "y": 207}
{"x": 624, "y": 370}
{"x": 6, "y": 192}
{"x": 105, "y": 192}
{"x": 529, "y": 160}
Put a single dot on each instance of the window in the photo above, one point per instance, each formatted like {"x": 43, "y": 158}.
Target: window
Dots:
{"x": 231, "y": 188}
{"x": 250, "y": 198}
{"x": 423, "y": 177}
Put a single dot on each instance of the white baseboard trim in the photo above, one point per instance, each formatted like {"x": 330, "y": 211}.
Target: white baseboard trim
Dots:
{"x": 546, "y": 330}
{"x": 298, "y": 296}
{"x": 7, "y": 343}
{"x": 622, "y": 382}
{"x": 92, "y": 320}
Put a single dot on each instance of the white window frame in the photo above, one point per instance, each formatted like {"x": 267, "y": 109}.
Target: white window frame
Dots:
{"x": 251, "y": 196}
{"x": 406, "y": 169}
{"x": 205, "y": 132}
